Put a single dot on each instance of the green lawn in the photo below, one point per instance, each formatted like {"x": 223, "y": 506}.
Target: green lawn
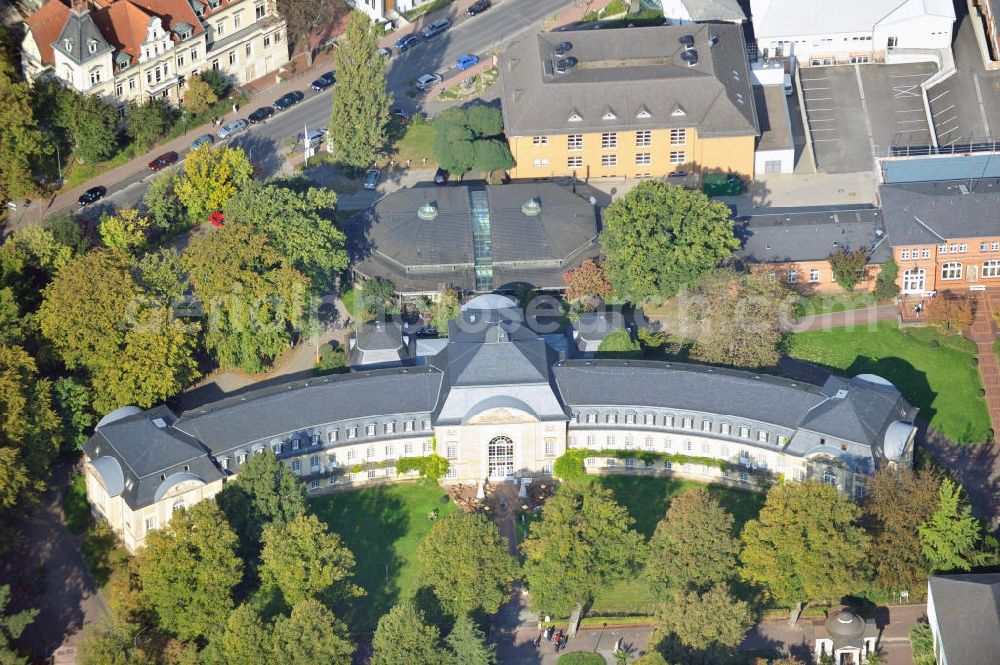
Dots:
{"x": 811, "y": 305}
{"x": 413, "y": 141}
{"x": 382, "y": 526}
{"x": 647, "y": 499}
{"x": 75, "y": 508}
{"x": 934, "y": 372}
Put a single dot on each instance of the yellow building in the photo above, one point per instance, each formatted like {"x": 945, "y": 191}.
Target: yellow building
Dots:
{"x": 630, "y": 102}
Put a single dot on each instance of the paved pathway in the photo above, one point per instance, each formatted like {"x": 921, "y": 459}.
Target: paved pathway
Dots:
{"x": 983, "y": 332}
{"x": 853, "y": 317}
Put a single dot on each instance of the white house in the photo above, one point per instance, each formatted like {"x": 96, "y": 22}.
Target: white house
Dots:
{"x": 682, "y": 12}
{"x": 820, "y": 32}
{"x": 964, "y": 615}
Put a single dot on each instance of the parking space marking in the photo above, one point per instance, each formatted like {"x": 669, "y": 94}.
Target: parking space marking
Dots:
{"x": 818, "y": 99}
{"x": 821, "y": 78}
{"x": 824, "y": 130}
{"x": 864, "y": 107}
{"x": 940, "y": 134}
{"x": 812, "y": 120}
{"x": 903, "y": 76}
{"x": 910, "y": 111}
{"x": 943, "y": 110}
{"x": 941, "y": 95}
{"x": 815, "y": 110}
{"x": 808, "y": 89}
{"x": 982, "y": 107}
{"x": 901, "y": 122}
{"x": 945, "y": 122}
{"x": 824, "y": 140}
{"x": 905, "y": 91}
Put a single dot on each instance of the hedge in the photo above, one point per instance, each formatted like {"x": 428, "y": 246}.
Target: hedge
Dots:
{"x": 431, "y": 466}
{"x": 570, "y": 464}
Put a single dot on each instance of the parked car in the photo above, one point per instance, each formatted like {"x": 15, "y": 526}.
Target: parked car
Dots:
{"x": 409, "y": 41}
{"x": 371, "y": 180}
{"x": 427, "y": 331}
{"x": 315, "y": 136}
{"x": 385, "y": 52}
{"x": 232, "y": 128}
{"x": 677, "y": 174}
{"x": 163, "y": 161}
{"x": 436, "y": 28}
{"x": 400, "y": 115}
{"x": 562, "y": 48}
{"x": 466, "y": 61}
{"x": 92, "y": 195}
{"x": 202, "y": 140}
{"x": 428, "y": 81}
{"x": 324, "y": 82}
{"x": 479, "y": 6}
{"x": 441, "y": 177}
{"x": 261, "y": 114}
{"x": 565, "y": 64}
{"x": 288, "y": 100}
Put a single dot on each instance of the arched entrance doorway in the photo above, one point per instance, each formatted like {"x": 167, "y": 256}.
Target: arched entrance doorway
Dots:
{"x": 501, "y": 457}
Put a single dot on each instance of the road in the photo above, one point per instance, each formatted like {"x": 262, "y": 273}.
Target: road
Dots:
{"x": 507, "y": 21}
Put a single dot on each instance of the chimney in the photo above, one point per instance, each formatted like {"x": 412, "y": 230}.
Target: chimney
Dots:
{"x": 428, "y": 211}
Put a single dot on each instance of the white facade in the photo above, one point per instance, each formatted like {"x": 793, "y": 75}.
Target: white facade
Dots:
{"x": 820, "y": 32}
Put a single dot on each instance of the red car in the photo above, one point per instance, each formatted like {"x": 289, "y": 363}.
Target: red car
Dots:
{"x": 163, "y": 161}
{"x": 217, "y": 218}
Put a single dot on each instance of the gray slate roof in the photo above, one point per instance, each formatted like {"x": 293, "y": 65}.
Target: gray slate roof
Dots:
{"x": 805, "y": 234}
{"x": 629, "y": 72}
{"x": 81, "y": 31}
{"x": 377, "y": 343}
{"x": 863, "y": 413}
{"x": 714, "y": 10}
{"x": 298, "y": 406}
{"x": 968, "y": 614}
{"x": 485, "y": 348}
{"x": 389, "y": 240}
{"x": 929, "y": 213}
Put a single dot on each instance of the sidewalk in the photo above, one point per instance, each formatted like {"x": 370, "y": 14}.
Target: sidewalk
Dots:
{"x": 983, "y": 332}
{"x": 454, "y": 11}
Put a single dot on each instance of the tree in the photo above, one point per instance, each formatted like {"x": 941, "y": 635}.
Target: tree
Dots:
{"x": 850, "y": 267}
{"x": 885, "y": 284}
{"x": 950, "y": 536}
{"x": 14, "y": 330}
{"x": 470, "y": 138}
{"x": 147, "y": 121}
{"x": 162, "y": 206}
{"x": 950, "y": 312}
{"x": 212, "y": 175}
{"x": 29, "y": 257}
{"x": 704, "y": 621}
{"x": 99, "y": 319}
{"x": 252, "y": 297}
{"x": 361, "y": 102}
{"x": 92, "y": 125}
{"x": 588, "y": 281}
{"x": 492, "y": 155}
{"x": 445, "y": 309}
{"x": 188, "y": 570}
{"x": 304, "y": 561}
{"x": 125, "y": 231}
{"x": 246, "y": 639}
{"x": 898, "y": 501}
{"x": 298, "y": 225}
{"x": 378, "y": 296}
{"x": 693, "y": 546}
{"x": 658, "y": 238}
{"x": 113, "y": 641}
{"x": 305, "y": 16}
{"x": 309, "y": 636}
{"x": 619, "y": 344}
{"x": 468, "y": 645}
{"x": 265, "y": 492}
{"x": 651, "y": 658}
{"x": 219, "y": 81}
{"x": 483, "y": 121}
{"x": 199, "y": 96}
{"x": 160, "y": 274}
{"x": 740, "y": 318}
{"x": 71, "y": 400}
{"x": 583, "y": 542}
{"x": 11, "y": 627}
{"x": 28, "y": 430}
{"x": 453, "y": 147}
{"x": 404, "y": 638}
{"x": 465, "y": 560}
{"x": 21, "y": 142}
{"x": 67, "y": 231}
{"x": 805, "y": 544}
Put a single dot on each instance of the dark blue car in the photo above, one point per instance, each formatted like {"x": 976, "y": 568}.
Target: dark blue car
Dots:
{"x": 406, "y": 42}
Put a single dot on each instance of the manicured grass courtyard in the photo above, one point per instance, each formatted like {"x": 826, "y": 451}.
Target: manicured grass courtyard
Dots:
{"x": 382, "y": 526}
{"x": 647, "y": 499}
{"x": 934, "y": 372}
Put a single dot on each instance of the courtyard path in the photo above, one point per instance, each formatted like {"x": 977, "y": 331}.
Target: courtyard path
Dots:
{"x": 983, "y": 332}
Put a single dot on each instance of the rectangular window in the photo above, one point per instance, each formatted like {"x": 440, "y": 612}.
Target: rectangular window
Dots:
{"x": 630, "y": 462}
{"x": 550, "y": 447}
{"x": 452, "y": 452}
{"x": 706, "y": 447}
{"x": 314, "y": 463}
{"x": 220, "y": 28}
{"x": 951, "y": 271}
{"x": 610, "y": 461}
{"x": 193, "y": 53}
{"x": 352, "y": 454}
{"x": 314, "y": 484}
{"x": 119, "y": 89}
{"x": 726, "y": 428}
{"x": 332, "y": 435}
{"x": 427, "y": 423}
{"x": 792, "y": 276}
{"x": 215, "y": 63}
{"x": 408, "y": 426}
{"x": 925, "y": 253}
{"x": 370, "y": 430}
{"x": 352, "y": 432}
{"x": 574, "y": 162}
{"x": 668, "y": 444}
{"x": 813, "y": 275}
{"x": 248, "y": 49}
{"x": 668, "y": 421}
{"x": 591, "y": 440}
{"x": 452, "y": 472}
{"x": 370, "y": 452}
{"x": 688, "y": 446}
{"x": 131, "y": 83}
{"x": 612, "y": 418}
{"x": 943, "y": 248}
{"x": 648, "y": 444}
{"x": 643, "y": 139}
{"x": 630, "y": 419}
{"x": 296, "y": 442}
{"x": 267, "y": 41}
{"x": 541, "y": 162}
{"x": 390, "y": 451}
{"x": 983, "y": 246}
{"x": 259, "y": 11}
{"x": 407, "y": 449}
{"x": 609, "y": 141}
{"x": 762, "y": 437}
{"x": 782, "y": 439}
{"x": 687, "y": 423}
{"x": 643, "y": 159}
{"x": 628, "y": 442}
{"x": 390, "y": 428}
{"x": 428, "y": 447}
{"x": 574, "y": 142}
{"x": 232, "y": 57}
{"x": 539, "y": 140}
{"x": 150, "y": 523}
{"x": 706, "y": 425}
{"x": 296, "y": 466}
{"x": 963, "y": 247}
{"x": 677, "y": 157}
{"x": 904, "y": 255}
{"x": 609, "y": 160}
{"x": 371, "y": 474}
{"x": 649, "y": 419}
{"x": 678, "y": 136}
{"x": 744, "y": 432}
{"x": 995, "y": 246}
{"x": 241, "y": 459}
{"x": 743, "y": 476}
{"x": 314, "y": 439}
{"x": 237, "y": 20}
{"x": 859, "y": 491}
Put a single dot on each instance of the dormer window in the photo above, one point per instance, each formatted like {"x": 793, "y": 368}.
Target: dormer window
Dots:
{"x": 643, "y": 114}
{"x": 92, "y": 45}
{"x": 575, "y": 117}
{"x": 609, "y": 115}
{"x": 678, "y": 111}
{"x": 214, "y": 4}
{"x": 68, "y": 45}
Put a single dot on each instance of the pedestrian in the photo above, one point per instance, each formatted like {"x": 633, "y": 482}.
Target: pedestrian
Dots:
{"x": 558, "y": 640}
{"x": 538, "y": 641}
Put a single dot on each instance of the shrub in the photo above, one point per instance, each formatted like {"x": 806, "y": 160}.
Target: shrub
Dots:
{"x": 432, "y": 467}
{"x": 581, "y": 658}
{"x": 219, "y": 82}
{"x": 570, "y": 464}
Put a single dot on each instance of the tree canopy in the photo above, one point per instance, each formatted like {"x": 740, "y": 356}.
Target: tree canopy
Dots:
{"x": 11, "y": 627}
{"x": 21, "y": 141}
{"x": 465, "y": 560}
{"x": 471, "y": 138}
{"x": 693, "y": 546}
{"x": 805, "y": 544}
{"x": 298, "y": 225}
{"x": 468, "y": 645}
{"x": 188, "y": 570}
{"x": 590, "y": 280}
{"x": 310, "y": 635}
{"x": 199, "y": 96}
{"x": 212, "y": 175}
{"x": 360, "y": 112}
{"x": 147, "y": 121}
{"x": 403, "y": 636}
{"x": 252, "y": 296}
{"x": 305, "y": 561}
{"x": 659, "y": 238}
{"x": 92, "y": 125}
{"x": 950, "y": 536}
{"x": 124, "y": 231}
{"x": 850, "y": 267}
{"x": 583, "y": 541}
{"x": 705, "y": 621}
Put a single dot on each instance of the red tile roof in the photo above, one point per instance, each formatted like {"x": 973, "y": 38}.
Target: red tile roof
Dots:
{"x": 45, "y": 25}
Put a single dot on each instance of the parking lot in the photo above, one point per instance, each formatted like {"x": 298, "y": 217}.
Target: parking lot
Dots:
{"x": 854, "y": 110}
